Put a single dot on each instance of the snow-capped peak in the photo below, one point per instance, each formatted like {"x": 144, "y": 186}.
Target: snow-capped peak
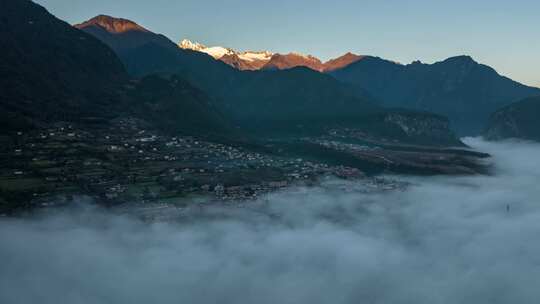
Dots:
{"x": 216, "y": 51}
{"x": 254, "y": 56}
{"x": 219, "y": 52}
{"x": 189, "y": 45}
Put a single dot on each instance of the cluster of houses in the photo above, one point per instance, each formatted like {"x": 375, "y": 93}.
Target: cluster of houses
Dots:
{"x": 106, "y": 160}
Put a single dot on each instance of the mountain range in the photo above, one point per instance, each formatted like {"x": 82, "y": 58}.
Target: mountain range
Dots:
{"x": 459, "y": 88}
{"x": 266, "y": 101}
{"x": 275, "y": 92}
{"x": 74, "y": 77}
{"x": 267, "y": 60}
{"x": 108, "y": 103}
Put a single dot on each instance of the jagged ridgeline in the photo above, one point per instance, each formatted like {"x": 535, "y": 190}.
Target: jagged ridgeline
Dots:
{"x": 51, "y": 71}
{"x": 269, "y": 101}
{"x": 267, "y": 60}
{"x": 119, "y": 113}
{"x": 459, "y": 88}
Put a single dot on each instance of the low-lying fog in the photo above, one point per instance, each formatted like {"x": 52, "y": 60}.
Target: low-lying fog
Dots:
{"x": 443, "y": 240}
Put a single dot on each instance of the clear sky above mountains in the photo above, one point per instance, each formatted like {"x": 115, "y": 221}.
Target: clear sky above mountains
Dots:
{"x": 502, "y": 34}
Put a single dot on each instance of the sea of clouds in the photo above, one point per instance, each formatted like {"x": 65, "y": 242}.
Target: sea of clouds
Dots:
{"x": 442, "y": 240}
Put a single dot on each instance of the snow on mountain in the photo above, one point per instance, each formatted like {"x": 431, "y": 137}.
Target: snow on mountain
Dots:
{"x": 188, "y": 45}
{"x": 242, "y": 60}
{"x": 250, "y": 60}
{"x": 254, "y": 56}
{"x": 216, "y": 51}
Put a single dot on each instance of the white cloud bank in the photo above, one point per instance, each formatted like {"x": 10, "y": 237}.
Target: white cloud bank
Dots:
{"x": 444, "y": 240}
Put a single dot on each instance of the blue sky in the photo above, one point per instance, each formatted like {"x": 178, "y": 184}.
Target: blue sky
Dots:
{"x": 502, "y": 34}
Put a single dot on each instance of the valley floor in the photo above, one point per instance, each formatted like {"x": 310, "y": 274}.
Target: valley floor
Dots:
{"x": 125, "y": 162}
{"x": 407, "y": 239}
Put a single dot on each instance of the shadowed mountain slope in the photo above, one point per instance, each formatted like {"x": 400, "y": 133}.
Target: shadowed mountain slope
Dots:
{"x": 460, "y": 88}
{"x": 518, "y": 120}
{"x": 144, "y": 52}
{"x": 49, "y": 70}
{"x": 269, "y": 101}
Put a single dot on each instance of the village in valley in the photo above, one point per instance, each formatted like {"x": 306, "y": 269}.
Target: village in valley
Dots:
{"x": 127, "y": 162}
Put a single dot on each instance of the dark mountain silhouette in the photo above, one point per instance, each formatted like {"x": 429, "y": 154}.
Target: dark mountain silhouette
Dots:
{"x": 302, "y": 101}
{"x": 76, "y": 121}
{"x": 244, "y": 95}
{"x": 252, "y": 61}
{"x": 144, "y": 52}
{"x": 268, "y": 101}
{"x": 51, "y": 71}
{"x": 518, "y": 120}
{"x": 460, "y": 88}
{"x": 175, "y": 106}
{"x": 294, "y": 95}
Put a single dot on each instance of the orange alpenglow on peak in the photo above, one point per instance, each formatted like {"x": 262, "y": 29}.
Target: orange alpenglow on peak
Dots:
{"x": 112, "y": 24}
{"x": 265, "y": 60}
{"x": 341, "y": 62}
{"x": 291, "y": 60}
